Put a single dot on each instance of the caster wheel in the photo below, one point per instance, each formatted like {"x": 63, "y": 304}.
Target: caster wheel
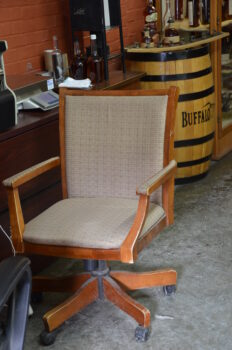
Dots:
{"x": 141, "y": 334}
{"x": 36, "y": 297}
{"x": 169, "y": 290}
{"x": 47, "y": 338}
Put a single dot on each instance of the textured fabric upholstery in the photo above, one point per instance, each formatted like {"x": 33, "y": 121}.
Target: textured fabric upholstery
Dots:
{"x": 78, "y": 222}
{"x": 113, "y": 144}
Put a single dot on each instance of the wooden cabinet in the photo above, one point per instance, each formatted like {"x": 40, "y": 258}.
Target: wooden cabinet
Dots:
{"x": 222, "y": 68}
{"x": 33, "y": 140}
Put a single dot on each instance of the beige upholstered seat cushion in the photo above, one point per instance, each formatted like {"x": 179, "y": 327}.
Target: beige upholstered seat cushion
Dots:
{"x": 88, "y": 222}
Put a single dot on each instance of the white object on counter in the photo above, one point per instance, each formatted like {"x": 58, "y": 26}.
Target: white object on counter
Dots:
{"x": 76, "y": 84}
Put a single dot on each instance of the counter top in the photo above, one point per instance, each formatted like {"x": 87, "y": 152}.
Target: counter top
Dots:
{"x": 30, "y": 119}
{"x": 198, "y": 42}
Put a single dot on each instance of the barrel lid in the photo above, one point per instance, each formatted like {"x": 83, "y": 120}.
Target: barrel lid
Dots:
{"x": 169, "y": 55}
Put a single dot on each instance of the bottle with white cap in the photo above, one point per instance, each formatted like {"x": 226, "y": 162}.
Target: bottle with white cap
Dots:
{"x": 94, "y": 62}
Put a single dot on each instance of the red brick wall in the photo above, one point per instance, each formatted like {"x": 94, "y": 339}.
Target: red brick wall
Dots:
{"x": 28, "y": 27}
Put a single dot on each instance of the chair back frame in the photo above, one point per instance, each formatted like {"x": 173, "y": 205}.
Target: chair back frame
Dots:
{"x": 132, "y": 245}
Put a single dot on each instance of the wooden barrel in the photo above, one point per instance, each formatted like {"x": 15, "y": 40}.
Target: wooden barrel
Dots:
{"x": 195, "y": 123}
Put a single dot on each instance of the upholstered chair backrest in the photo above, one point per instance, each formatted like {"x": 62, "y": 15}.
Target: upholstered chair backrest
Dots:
{"x": 113, "y": 144}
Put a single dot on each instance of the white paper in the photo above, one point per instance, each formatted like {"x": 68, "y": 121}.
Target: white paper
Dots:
{"x": 76, "y": 84}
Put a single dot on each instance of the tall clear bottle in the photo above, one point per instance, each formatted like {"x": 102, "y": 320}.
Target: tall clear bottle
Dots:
{"x": 205, "y": 11}
{"x": 167, "y": 15}
{"x": 57, "y": 63}
{"x": 193, "y": 13}
{"x": 179, "y": 13}
{"x": 229, "y": 9}
{"x": 95, "y": 63}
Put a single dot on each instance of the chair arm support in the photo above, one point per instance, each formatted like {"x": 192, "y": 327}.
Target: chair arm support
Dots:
{"x": 127, "y": 251}
{"x": 30, "y": 173}
{"x": 15, "y": 210}
{"x": 157, "y": 180}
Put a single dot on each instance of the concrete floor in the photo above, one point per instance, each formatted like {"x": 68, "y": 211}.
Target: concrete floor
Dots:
{"x": 199, "y": 247}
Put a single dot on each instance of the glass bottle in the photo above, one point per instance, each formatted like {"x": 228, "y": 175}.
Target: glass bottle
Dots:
{"x": 179, "y": 13}
{"x": 193, "y": 13}
{"x": 205, "y": 11}
{"x": 171, "y": 34}
{"x": 78, "y": 65}
{"x": 150, "y": 27}
{"x": 94, "y": 62}
{"x": 150, "y": 12}
{"x": 57, "y": 63}
{"x": 167, "y": 15}
{"x": 229, "y": 5}
{"x": 147, "y": 41}
{"x": 224, "y": 10}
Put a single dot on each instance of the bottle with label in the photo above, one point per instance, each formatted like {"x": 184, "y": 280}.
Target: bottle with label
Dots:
{"x": 205, "y": 11}
{"x": 228, "y": 9}
{"x": 78, "y": 65}
{"x": 193, "y": 13}
{"x": 150, "y": 35}
{"x": 224, "y": 10}
{"x": 167, "y": 15}
{"x": 171, "y": 34}
{"x": 147, "y": 41}
{"x": 57, "y": 63}
{"x": 179, "y": 13}
{"x": 95, "y": 66}
{"x": 150, "y": 13}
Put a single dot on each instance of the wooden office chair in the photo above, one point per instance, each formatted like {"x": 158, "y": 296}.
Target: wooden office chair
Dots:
{"x": 116, "y": 156}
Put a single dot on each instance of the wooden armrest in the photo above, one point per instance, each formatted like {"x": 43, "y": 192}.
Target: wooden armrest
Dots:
{"x": 128, "y": 254}
{"x": 28, "y": 174}
{"x": 15, "y": 210}
{"x": 157, "y": 180}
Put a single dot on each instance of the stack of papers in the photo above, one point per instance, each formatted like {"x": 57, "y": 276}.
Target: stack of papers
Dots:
{"x": 76, "y": 84}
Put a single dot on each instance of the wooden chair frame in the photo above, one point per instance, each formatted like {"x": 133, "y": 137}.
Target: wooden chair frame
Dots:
{"x": 85, "y": 285}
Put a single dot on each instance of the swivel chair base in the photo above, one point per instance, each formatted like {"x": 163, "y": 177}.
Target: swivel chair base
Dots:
{"x": 99, "y": 284}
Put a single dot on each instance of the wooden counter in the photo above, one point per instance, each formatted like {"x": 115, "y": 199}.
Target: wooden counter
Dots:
{"x": 33, "y": 140}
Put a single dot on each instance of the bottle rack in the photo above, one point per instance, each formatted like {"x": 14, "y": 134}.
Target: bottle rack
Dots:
{"x": 89, "y": 15}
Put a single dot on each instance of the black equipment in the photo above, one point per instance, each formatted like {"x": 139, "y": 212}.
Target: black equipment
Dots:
{"x": 8, "y": 107}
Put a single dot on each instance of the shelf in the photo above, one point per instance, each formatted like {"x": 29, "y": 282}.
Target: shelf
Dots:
{"x": 226, "y": 23}
{"x": 114, "y": 55}
{"x": 184, "y": 46}
{"x": 110, "y": 27}
{"x": 226, "y": 119}
{"x": 184, "y": 25}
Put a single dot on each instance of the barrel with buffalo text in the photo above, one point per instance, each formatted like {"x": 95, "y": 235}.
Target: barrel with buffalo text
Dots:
{"x": 191, "y": 71}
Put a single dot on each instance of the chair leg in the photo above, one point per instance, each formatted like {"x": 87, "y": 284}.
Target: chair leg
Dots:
{"x": 133, "y": 280}
{"x": 83, "y": 297}
{"x": 118, "y": 297}
{"x": 68, "y": 284}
